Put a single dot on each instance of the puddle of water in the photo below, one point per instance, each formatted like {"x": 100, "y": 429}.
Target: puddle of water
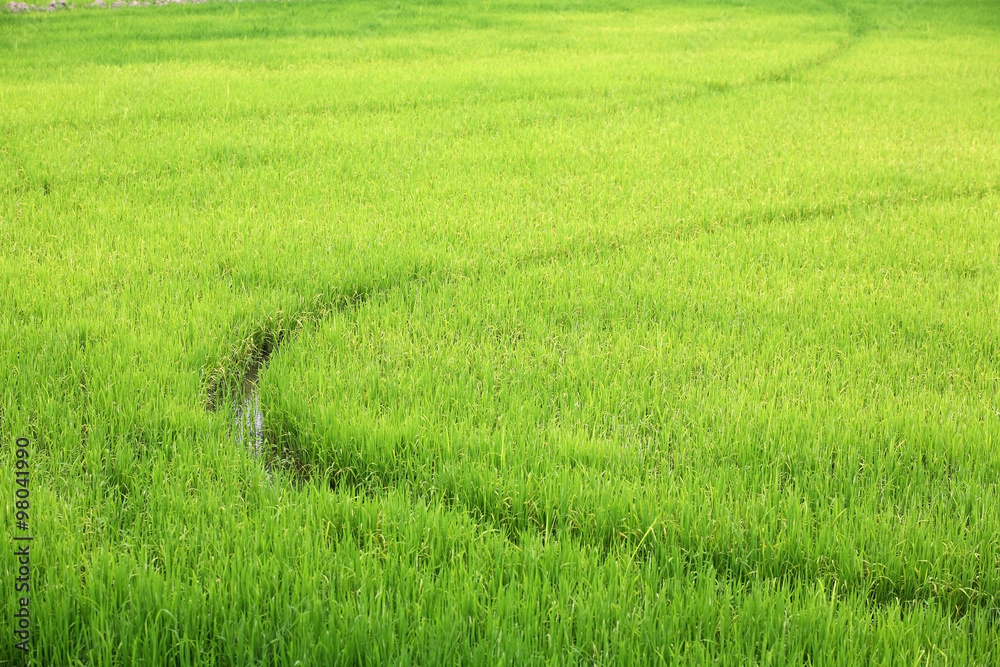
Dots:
{"x": 248, "y": 423}
{"x": 249, "y": 426}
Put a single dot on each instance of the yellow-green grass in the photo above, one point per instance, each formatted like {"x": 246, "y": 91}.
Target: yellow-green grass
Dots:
{"x": 583, "y": 332}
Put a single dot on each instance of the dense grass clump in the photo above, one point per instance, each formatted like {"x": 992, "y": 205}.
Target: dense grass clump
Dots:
{"x": 582, "y": 332}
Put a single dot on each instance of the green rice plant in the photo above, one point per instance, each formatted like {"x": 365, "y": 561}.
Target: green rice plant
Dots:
{"x": 581, "y": 332}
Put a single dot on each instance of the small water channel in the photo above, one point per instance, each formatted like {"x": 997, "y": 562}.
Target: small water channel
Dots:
{"x": 249, "y": 426}
{"x": 248, "y": 419}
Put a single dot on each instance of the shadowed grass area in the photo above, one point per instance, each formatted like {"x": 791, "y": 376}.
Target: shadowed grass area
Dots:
{"x": 606, "y": 333}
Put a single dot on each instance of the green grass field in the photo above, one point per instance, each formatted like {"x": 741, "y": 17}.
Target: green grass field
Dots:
{"x": 582, "y": 332}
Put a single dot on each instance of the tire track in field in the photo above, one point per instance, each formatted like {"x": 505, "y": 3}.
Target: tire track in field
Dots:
{"x": 235, "y": 376}
{"x": 234, "y": 379}
{"x": 483, "y": 497}
{"x": 857, "y": 28}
